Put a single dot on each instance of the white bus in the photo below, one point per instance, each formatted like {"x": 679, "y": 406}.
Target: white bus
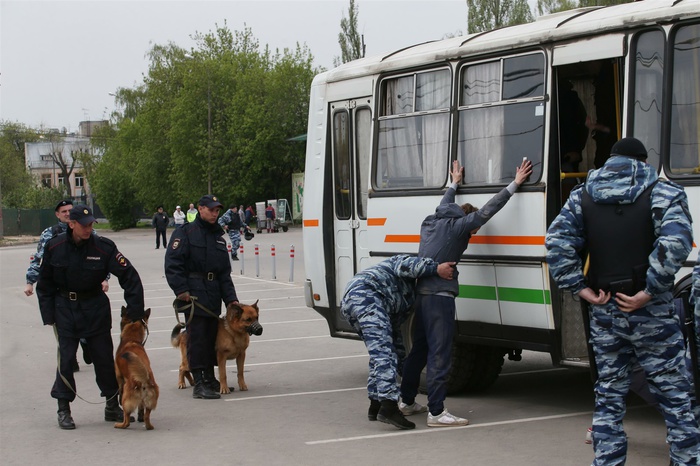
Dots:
{"x": 383, "y": 131}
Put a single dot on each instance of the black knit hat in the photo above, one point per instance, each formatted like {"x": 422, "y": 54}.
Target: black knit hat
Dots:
{"x": 629, "y": 147}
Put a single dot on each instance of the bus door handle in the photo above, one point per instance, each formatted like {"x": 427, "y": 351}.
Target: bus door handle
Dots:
{"x": 354, "y": 224}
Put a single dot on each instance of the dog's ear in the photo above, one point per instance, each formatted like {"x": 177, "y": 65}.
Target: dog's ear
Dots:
{"x": 123, "y": 312}
{"x": 255, "y": 305}
{"x": 147, "y": 314}
{"x": 233, "y": 312}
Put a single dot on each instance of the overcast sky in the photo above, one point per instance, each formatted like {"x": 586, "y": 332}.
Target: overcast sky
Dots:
{"x": 59, "y": 60}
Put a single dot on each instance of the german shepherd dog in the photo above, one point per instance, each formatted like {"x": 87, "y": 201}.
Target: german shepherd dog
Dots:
{"x": 232, "y": 340}
{"x": 137, "y": 386}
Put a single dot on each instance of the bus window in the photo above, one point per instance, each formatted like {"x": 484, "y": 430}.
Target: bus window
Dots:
{"x": 685, "y": 106}
{"x": 648, "y": 91}
{"x": 341, "y": 162}
{"x": 501, "y": 118}
{"x": 413, "y": 147}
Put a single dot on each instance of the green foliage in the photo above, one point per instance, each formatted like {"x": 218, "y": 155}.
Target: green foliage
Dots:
{"x": 16, "y": 183}
{"x": 219, "y": 114}
{"x": 349, "y": 39}
{"x": 485, "y": 15}
{"x": 553, "y": 6}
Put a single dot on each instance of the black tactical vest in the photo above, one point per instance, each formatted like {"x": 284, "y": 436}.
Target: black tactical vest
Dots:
{"x": 620, "y": 238}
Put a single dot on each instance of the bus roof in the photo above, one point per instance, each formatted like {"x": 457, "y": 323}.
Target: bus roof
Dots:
{"x": 556, "y": 27}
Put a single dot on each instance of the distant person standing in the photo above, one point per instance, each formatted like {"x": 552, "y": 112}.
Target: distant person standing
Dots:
{"x": 179, "y": 217}
{"x": 249, "y": 214}
{"x": 270, "y": 218}
{"x": 191, "y": 214}
{"x": 160, "y": 223}
{"x": 241, "y": 213}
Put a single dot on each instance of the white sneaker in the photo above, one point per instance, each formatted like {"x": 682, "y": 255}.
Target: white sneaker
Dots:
{"x": 409, "y": 410}
{"x": 445, "y": 419}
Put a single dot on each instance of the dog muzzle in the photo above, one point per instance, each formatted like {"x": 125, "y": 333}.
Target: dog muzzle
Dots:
{"x": 254, "y": 329}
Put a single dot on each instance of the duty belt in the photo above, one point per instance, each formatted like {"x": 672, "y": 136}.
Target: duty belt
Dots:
{"x": 79, "y": 295}
{"x": 210, "y": 276}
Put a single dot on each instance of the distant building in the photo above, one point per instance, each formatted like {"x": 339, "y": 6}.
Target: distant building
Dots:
{"x": 42, "y": 165}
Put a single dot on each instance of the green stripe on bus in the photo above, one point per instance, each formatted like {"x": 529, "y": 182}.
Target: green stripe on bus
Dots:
{"x": 518, "y": 295}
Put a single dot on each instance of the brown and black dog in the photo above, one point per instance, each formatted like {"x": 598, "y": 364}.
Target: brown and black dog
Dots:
{"x": 137, "y": 386}
{"x": 232, "y": 340}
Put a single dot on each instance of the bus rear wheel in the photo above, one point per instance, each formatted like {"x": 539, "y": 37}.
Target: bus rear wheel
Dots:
{"x": 474, "y": 367}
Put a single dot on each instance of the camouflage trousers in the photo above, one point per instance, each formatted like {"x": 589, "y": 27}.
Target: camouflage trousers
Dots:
{"x": 367, "y": 315}
{"x": 652, "y": 336}
{"x": 235, "y": 237}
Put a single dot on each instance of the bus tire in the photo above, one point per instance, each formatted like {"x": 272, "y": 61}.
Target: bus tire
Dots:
{"x": 474, "y": 367}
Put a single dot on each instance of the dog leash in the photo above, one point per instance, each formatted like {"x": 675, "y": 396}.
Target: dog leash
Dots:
{"x": 190, "y": 305}
{"x": 63, "y": 378}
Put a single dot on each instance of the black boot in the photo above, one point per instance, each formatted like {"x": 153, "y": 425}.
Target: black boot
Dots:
{"x": 74, "y": 365}
{"x": 201, "y": 389}
{"x": 65, "y": 420}
{"x": 389, "y": 413}
{"x": 113, "y": 413}
{"x": 374, "y": 406}
{"x": 210, "y": 380}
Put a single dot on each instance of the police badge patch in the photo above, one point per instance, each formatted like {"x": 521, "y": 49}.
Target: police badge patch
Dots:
{"x": 121, "y": 260}
{"x": 176, "y": 243}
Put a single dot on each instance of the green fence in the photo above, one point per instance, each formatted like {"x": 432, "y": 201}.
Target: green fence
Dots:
{"x": 16, "y": 222}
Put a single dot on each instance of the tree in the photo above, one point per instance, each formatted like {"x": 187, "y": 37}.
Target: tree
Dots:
{"x": 351, "y": 43}
{"x": 220, "y": 114}
{"x": 552, "y": 6}
{"x": 485, "y": 15}
{"x": 64, "y": 162}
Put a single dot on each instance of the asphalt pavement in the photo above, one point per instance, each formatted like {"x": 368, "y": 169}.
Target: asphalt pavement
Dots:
{"x": 306, "y": 403}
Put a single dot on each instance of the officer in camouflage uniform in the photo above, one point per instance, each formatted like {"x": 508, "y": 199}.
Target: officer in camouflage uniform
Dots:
{"x": 695, "y": 299}
{"x": 376, "y": 302}
{"x": 231, "y": 222}
{"x": 625, "y": 214}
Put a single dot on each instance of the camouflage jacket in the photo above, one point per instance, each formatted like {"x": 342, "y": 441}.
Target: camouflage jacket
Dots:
{"x": 621, "y": 181}
{"x": 695, "y": 296}
{"x": 392, "y": 282}
{"x": 35, "y": 262}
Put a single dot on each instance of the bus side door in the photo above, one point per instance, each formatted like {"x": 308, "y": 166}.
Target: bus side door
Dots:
{"x": 351, "y": 122}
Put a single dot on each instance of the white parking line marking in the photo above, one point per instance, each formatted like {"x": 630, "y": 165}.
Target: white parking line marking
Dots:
{"x": 282, "y": 395}
{"x": 443, "y": 429}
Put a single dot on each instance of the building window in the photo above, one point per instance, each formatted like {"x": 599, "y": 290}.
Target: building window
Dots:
{"x": 46, "y": 181}
{"x": 79, "y": 180}
{"x": 60, "y": 180}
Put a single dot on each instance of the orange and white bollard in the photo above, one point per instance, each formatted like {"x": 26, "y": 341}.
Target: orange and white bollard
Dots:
{"x": 274, "y": 262}
{"x": 241, "y": 257}
{"x": 257, "y": 260}
{"x": 291, "y": 264}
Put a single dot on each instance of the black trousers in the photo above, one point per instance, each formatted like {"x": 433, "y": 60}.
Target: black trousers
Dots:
{"x": 160, "y": 233}
{"x": 102, "y": 352}
{"x": 201, "y": 346}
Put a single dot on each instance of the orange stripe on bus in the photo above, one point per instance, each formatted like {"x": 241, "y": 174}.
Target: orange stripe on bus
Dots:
{"x": 311, "y": 223}
{"x": 376, "y": 222}
{"x": 402, "y": 239}
{"x": 513, "y": 240}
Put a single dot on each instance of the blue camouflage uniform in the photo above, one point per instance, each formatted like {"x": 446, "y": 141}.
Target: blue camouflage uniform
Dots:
{"x": 695, "y": 299}
{"x": 233, "y": 222}
{"x": 376, "y": 302}
{"x": 652, "y": 334}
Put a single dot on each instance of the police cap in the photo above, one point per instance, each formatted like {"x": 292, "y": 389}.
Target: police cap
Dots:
{"x": 629, "y": 147}
{"x": 82, "y": 214}
{"x": 210, "y": 201}
{"x": 64, "y": 202}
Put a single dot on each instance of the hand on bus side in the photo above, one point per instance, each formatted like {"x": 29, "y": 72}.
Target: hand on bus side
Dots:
{"x": 523, "y": 172}
{"x": 457, "y": 172}
{"x": 594, "y": 298}
{"x": 446, "y": 270}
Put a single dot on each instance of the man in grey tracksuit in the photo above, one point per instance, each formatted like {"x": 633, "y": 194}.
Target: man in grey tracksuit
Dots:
{"x": 444, "y": 237}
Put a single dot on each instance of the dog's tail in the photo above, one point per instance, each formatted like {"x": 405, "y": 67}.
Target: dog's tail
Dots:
{"x": 175, "y": 335}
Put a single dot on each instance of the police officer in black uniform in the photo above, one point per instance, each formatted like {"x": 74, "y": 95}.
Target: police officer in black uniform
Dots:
{"x": 71, "y": 299}
{"x": 198, "y": 271}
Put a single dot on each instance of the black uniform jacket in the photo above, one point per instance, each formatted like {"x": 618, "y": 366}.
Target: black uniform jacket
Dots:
{"x": 197, "y": 261}
{"x": 69, "y": 270}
